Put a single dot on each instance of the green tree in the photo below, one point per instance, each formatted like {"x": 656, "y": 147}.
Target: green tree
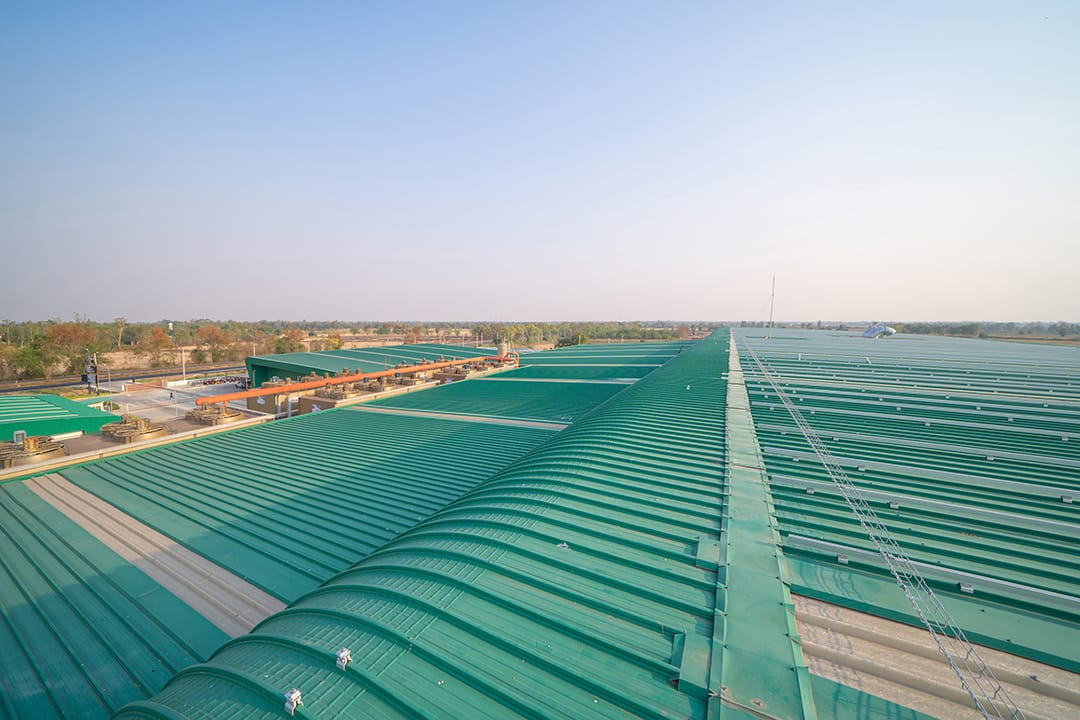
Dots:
{"x": 575, "y": 339}
{"x": 35, "y": 359}
{"x": 215, "y": 339}
{"x": 71, "y": 341}
{"x": 156, "y": 343}
{"x": 292, "y": 340}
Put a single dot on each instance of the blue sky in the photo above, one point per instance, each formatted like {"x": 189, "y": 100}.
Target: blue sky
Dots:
{"x": 544, "y": 161}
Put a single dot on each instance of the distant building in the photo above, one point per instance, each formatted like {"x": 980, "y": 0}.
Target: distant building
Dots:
{"x": 878, "y": 331}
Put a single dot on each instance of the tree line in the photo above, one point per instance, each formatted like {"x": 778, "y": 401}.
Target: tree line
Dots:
{"x": 42, "y": 349}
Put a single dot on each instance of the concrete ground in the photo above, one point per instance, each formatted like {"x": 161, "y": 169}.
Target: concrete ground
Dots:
{"x": 159, "y": 405}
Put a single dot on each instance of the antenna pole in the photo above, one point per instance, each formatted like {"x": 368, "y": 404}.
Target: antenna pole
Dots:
{"x": 772, "y": 301}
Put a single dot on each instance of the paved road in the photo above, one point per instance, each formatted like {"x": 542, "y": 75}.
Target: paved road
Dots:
{"x": 117, "y": 377}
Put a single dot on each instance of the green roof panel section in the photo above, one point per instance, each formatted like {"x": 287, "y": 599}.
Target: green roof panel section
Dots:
{"x": 968, "y": 451}
{"x": 575, "y": 372}
{"x": 295, "y": 365}
{"x": 48, "y": 415}
{"x": 507, "y": 399}
{"x": 288, "y": 504}
{"x": 81, "y": 630}
{"x": 559, "y": 390}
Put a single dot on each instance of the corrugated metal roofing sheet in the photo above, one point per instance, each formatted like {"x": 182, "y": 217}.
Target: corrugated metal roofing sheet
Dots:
{"x": 48, "y": 415}
{"x": 288, "y": 504}
{"x": 970, "y": 478}
{"x": 517, "y": 400}
{"x": 575, "y": 372}
{"x": 81, "y": 631}
{"x": 526, "y": 394}
{"x": 580, "y": 582}
{"x": 263, "y": 367}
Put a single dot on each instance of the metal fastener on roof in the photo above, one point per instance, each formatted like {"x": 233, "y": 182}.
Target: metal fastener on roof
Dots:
{"x": 967, "y": 588}
{"x": 563, "y": 546}
{"x": 344, "y": 657}
{"x": 292, "y": 701}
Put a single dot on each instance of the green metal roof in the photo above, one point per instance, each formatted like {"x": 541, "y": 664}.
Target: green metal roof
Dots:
{"x": 516, "y": 400}
{"x": 82, "y": 631}
{"x": 545, "y": 392}
{"x": 965, "y": 449}
{"x": 294, "y": 365}
{"x": 588, "y": 579}
{"x": 284, "y": 505}
{"x": 575, "y": 372}
{"x": 287, "y": 504}
{"x": 48, "y": 415}
{"x": 646, "y": 355}
{"x": 634, "y": 565}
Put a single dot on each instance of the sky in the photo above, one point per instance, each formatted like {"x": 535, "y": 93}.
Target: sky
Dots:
{"x": 557, "y": 160}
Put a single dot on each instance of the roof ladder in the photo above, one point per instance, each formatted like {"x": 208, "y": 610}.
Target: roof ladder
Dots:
{"x": 990, "y": 698}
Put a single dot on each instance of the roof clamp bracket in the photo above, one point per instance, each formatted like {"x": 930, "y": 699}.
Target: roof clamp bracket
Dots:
{"x": 1066, "y": 499}
{"x": 842, "y": 559}
{"x": 967, "y": 588}
{"x": 344, "y": 657}
{"x": 292, "y": 701}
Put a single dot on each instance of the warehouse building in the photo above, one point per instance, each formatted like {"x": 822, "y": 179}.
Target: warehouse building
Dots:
{"x": 48, "y": 415}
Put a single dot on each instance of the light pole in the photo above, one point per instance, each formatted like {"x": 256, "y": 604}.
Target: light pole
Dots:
{"x": 183, "y": 365}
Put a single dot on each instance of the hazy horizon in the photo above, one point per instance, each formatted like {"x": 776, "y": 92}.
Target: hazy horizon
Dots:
{"x": 855, "y": 322}
{"x": 572, "y": 160}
